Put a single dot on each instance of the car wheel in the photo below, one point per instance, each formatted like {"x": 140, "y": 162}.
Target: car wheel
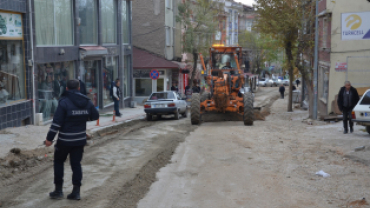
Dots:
{"x": 177, "y": 115}
{"x": 185, "y": 114}
{"x": 368, "y": 129}
{"x": 159, "y": 117}
{"x": 149, "y": 117}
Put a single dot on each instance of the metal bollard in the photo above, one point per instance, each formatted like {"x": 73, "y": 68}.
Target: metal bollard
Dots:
{"x": 114, "y": 116}
{"x": 97, "y": 123}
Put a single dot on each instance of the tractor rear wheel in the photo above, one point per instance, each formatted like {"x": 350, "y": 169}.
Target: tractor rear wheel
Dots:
{"x": 248, "y": 115}
{"x": 195, "y": 109}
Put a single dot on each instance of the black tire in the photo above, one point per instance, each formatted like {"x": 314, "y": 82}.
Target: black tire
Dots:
{"x": 159, "y": 117}
{"x": 185, "y": 114}
{"x": 149, "y": 117}
{"x": 195, "y": 109}
{"x": 177, "y": 115}
{"x": 248, "y": 116}
{"x": 368, "y": 129}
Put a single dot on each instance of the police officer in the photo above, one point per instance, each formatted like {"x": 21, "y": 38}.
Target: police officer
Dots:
{"x": 69, "y": 120}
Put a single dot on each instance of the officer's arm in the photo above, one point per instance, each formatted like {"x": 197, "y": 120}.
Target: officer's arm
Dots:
{"x": 58, "y": 120}
{"x": 94, "y": 112}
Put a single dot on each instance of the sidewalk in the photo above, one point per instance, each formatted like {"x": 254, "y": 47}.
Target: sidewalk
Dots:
{"x": 31, "y": 137}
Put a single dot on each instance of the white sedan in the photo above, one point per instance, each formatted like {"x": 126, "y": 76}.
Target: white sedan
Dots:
{"x": 361, "y": 113}
{"x": 165, "y": 103}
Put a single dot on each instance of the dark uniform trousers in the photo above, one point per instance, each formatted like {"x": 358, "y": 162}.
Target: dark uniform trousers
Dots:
{"x": 347, "y": 116}
{"x": 75, "y": 156}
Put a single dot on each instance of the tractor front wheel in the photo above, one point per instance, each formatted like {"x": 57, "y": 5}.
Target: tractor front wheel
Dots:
{"x": 248, "y": 115}
{"x": 195, "y": 109}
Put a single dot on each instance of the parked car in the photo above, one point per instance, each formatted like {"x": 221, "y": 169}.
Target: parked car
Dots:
{"x": 273, "y": 82}
{"x": 286, "y": 82}
{"x": 279, "y": 82}
{"x": 261, "y": 83}
{"x": 361, "y": 113}
{"x": 165, "y": 103}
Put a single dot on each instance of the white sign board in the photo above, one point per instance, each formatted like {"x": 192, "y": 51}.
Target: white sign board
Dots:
{"x": 11, "y": 25}
{"x": 341, "y": 66}
{"x": 356, "y": 26}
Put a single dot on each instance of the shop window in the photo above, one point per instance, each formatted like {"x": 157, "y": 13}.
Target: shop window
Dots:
{"x": 125, "y": 11}
{"x": 109, "y": 21}
{"x": 110, "y": 74}
{"x": 88, "y": 12}
{"x": 51, "y": 83}
{"x": 127, "y": 76}
{"x": 54, "y": 22}
{"x": 12, "y": 72}
{"x": 91, "y": 69}
{"x": 143, "y": 87}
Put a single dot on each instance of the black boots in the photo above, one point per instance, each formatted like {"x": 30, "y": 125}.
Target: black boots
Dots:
{"x": 351, "y": 129}
{"x": 75, "y": 195}
{"x": 57, "y": 193}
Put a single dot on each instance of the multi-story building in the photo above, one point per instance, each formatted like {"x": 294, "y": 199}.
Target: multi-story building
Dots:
{"x": 344, "y": 52}
{"x": 64, "y": 39}
{"x": 156, "y": 34}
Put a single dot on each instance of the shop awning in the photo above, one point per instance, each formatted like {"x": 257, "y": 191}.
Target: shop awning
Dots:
{"x": 93, "y": 51}
{"x": 145, "y": 60}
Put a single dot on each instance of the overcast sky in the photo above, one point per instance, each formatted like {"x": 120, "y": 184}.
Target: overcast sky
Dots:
{"x": 247, "y": 2}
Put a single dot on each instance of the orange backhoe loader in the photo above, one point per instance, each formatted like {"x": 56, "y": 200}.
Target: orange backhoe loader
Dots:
{"x": 226, "y": 92}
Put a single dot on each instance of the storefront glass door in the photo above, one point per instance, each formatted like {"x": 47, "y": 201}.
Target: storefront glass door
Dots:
{"x": 160, "y": 85}
{"x": 92, "y": 80}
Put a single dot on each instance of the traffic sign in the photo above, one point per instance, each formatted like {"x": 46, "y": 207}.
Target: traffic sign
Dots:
{"x": 154, "y": 74}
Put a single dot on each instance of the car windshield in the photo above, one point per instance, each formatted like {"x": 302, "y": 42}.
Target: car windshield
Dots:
{"x": 220, "y": 60}
{"x": 162, "y": 96}
{"x": 366, "y": 99}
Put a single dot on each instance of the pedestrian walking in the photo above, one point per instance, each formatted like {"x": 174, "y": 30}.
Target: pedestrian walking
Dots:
{"x": 297, "y": 82}
{"x": 174, "y": 87}
{"x": 282, "y": 91}
{"x": 69, "y": 120}
{"x": 347, "y": 100}
{"x": 117, "y": 96}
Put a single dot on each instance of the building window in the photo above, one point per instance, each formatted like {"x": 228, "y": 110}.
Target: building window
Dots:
{"x": 51, "y": 83}
{"x": 325, "y": 32}
{"x": 325, "y": 83}
{"x": 109, "y": 21}
{"x": 127, "y": 76}
{"x": 143, "y": 87}
{"x": 12, "y": 81}
{"x": 126, "y": 8}
{"x": 54, "y": 22}
{"x": 88, "y": 12}
{"x": 110, "y": 74}
{"x": 169, "y": 4}
{"x": 168, "y": 36}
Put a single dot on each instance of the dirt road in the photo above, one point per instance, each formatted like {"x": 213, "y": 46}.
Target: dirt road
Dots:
{"x": 216, "y": 164}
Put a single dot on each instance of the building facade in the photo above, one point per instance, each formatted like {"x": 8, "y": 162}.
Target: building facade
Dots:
{"x": 88, "y": 40}
{"x": 348, "y": 25}
{"x": 16, "y": 96}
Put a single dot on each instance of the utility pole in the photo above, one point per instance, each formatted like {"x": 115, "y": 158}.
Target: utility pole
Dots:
{"x": 315, "y": 70}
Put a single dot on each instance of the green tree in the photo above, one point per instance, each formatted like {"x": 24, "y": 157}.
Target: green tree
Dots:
{"x": 262, "y": 48}
{"x": 284, "y": 21}
{"x": 198, "y": 20}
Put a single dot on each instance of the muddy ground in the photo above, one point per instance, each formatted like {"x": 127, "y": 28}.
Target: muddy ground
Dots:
{"x": 172, "y": 164}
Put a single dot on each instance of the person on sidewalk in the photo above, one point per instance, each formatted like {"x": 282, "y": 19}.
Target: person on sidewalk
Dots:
{"x": 69, "y": 120}
{"x": 282, "y": 91}
{"x": 297, "y": 82}
{"x": 174, "y": 87}
{"x": 117, "y": 97}
{"x": 347, "y": 100}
